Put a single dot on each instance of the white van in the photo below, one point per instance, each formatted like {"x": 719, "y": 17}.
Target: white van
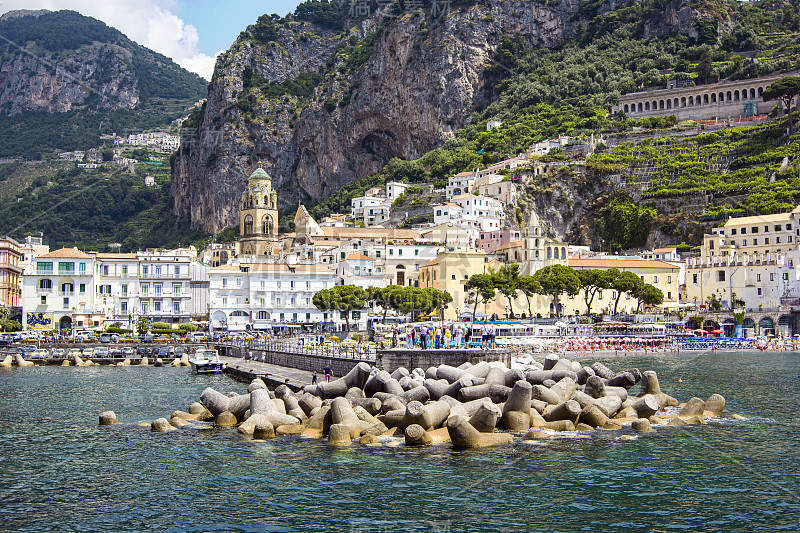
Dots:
{"x": 197, "y": 336}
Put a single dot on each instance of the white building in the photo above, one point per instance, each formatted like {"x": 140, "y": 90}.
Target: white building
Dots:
{"x": 371, "y": 210}
{"x": 58, "y": 293}
{"x": 480, "y": 206}
{"x": 448, "y": 212}
{"x": 395, "y": 189}
{"x": 359, "y": 270}
{"x": 459, "y": 184}
{"x": 256, "y": 296}
{"x": 165, "y": 286}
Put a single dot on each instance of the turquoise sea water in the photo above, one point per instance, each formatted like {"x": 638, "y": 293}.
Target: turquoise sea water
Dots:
{"x": 61, "y": 472}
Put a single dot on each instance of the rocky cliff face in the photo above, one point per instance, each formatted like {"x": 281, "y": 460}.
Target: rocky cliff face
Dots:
{"x": 42, "y": 82}
{"x": 420, "y": 83}
{"x": 57, "y": 61}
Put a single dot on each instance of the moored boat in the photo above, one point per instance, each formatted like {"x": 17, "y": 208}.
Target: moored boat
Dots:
{"x": 206, "y": 361}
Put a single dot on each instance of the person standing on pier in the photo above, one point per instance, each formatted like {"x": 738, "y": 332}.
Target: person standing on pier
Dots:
{"x": 459, "y": 335}
{"x": 328, "y": 373}
{"x": 314, "y": 377}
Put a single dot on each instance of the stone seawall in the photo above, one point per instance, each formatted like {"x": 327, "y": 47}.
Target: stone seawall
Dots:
{"x": 391, "y": 360}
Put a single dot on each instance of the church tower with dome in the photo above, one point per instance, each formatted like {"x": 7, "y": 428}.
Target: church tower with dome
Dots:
{"x": 258, "y": 216}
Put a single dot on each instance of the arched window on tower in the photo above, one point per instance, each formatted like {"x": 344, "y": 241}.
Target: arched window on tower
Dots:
{"x": 267, "y": 226}
{"x": 248, "y": 225}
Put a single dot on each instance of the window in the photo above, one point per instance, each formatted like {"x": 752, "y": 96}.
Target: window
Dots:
{"x": 157, "y": 289}
{"x": 82, "y": 269}
{"x": 720, "y": 275}
{"x": 755, "y": 242}
{"x": 669, "y": 279}
{"x": 759, "y": 291}
{"x": 308, "y": 284}
{"x": 669, "y": 295}
{"x": 66, "y": 268}
{"x": 144, "y": 308}
{"x": 278, "y": 301}
{"x": 733, "y": 242}
{"x": 82, "y": 288}
{"x": 291, "y": 284}
{"x": 125, "y": 271}
{"x": 789, "y": 239}
{"x": 744, "y": 242}
{"x": 158, "y": 271}
{"x": 788, "y": 227}
{"x": 176, "y": 307}
{"x": 399, "y": 251}
{"x": 261, "y": 284}
{"x": 176, "y": 289}
{"x": 785, "y": 276}
{"x": 66, "y": 303}
{"x": 766, "y": 229}
{"x": 453, "y": 277}
{"x": 655, "y": 279}
{"x": 105, "y": 270}
{"x": 45, "y": 284}
{"x": 733, "y": 231}
{"x": 157, "y": 306}
{"x": 744, "y": 231}
{"x": 123, "y": 307}
{"x": 342, "y": 255}
{"x": 177, "y": 271}
{"x": 416, "y": 251}
{"x": 766, "y": 241}
{"x": 224, "y": 301}
{"x": 391, "y": 251}
{"x": 224, "y": 282}
{"x": 44, "y": 269}
{"x": 123, "y": 288}
{"x": 777, "y": 227}
{"x": 754, "y": 229}
{"x": 238, "y": 283}
{"x": 145, "y": 289}
{"x": 772, "y": 276}
{"x": 144, "y": 271}
{"x": 378, "y": 254}
{"x": 237, "y": 301}
{"x": 44, "y": 300}
{"x": 777, "y": 240}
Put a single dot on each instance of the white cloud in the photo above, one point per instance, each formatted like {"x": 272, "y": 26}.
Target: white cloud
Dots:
{"x": 151, "y": 23}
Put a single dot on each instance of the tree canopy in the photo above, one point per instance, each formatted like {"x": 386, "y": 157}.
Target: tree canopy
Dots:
{"x": 556, "y": 280}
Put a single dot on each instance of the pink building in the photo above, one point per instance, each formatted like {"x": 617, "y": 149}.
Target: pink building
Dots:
{"x": 490, "y": 241}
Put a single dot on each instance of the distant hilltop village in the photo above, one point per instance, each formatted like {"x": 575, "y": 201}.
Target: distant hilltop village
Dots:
{"x": 267, "y": 279}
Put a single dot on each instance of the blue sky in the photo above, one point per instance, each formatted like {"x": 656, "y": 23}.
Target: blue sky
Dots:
{"x": 218, "y": 23}
{"x": 191, "y": 32}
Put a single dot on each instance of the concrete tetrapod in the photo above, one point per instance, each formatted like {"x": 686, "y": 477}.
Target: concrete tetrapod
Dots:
{"x": 6, "y": 362}
{"x": 357, "y": 377}
{"x": 650, "y": 385}
{"x": 342, "y": 414}
{"x": 417, "y": 436}
{"x": 429, "y": 416}
{"x": 217, "y": 402}
{"x": 262, "y": 408}
{"x": 263, "y": 431}
{"x": 715, "y": 404}
{"x": 569, "y": 410}
{"x": 463, "y": 435}
{"x": 290, "y": 401}
{"x": 108, "y": 418}
{"x": 646, "y": 406}
{"x": 340, "y": 435}
{"x": 486, "y": 417}
{"x": 21, "y": 361}
{"x": 517, "y": 409}
{"x": 694, "y": 407}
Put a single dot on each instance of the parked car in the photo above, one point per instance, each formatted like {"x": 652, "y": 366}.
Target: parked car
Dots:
{"x": 59, "y": 353}
{"x": 88, "y": 352}
{"x": 115, "y": 352}
{"x": 128, "y": 351}
{"x": 39, "y": 354}
{"x": 180, "y": 351}
{"x": 197, "y": 336}
{"x": 163, "y": 351}
{"x": 104, "y": 338}
{"x": 143, "y": 351}
{"x": 101, "y": 351}
{"x": 73, "y": 353}
{"x": 5, "y": 343}
{"x": 146, "y": 337}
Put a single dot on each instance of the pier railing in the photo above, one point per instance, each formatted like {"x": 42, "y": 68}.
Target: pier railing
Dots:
{"x": 361, "y": 352}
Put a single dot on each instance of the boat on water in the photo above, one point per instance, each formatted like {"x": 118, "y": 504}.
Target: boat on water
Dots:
{"x": 206, "y": 361}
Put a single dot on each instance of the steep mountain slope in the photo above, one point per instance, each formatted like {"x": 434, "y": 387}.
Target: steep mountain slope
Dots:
{"x": 66, "y": 78}
{"x": 323, "y": 97}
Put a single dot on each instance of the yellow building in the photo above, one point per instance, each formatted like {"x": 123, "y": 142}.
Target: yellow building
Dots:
{"x": 450, "y": 270}
{"x": 258, "y": 215}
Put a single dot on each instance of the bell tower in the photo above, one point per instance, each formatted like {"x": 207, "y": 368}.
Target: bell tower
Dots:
{"x": 258, "y": 215}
